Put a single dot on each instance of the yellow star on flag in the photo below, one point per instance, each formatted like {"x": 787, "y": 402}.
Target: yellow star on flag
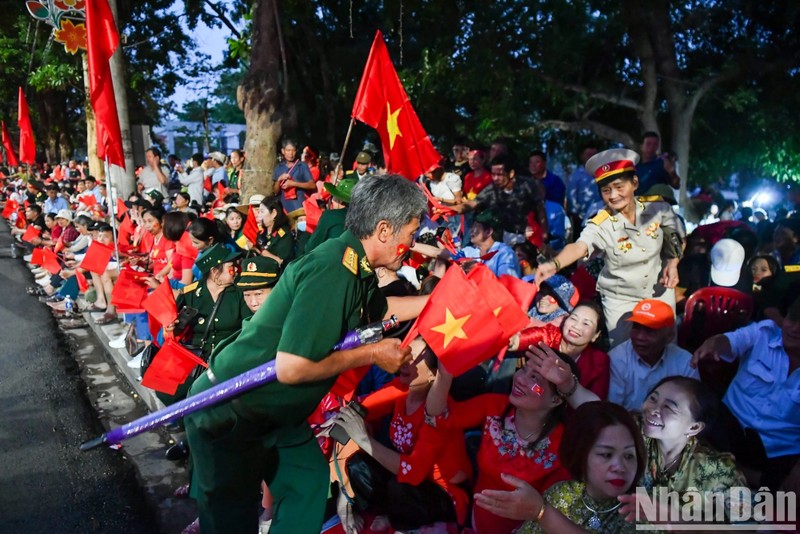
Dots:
{"x": 451, "y": 327}
{"x": 391, "y": 124}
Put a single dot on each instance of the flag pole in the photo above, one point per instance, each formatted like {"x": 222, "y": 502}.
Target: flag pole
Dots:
{"x": 111, "y": 207}
{"x": 335, "y": 180}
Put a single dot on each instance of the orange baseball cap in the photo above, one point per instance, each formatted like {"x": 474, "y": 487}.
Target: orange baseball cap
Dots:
{"x": 653, "y": 313}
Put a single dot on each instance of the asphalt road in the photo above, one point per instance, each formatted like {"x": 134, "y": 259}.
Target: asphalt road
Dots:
{"x": 46, "y": 483}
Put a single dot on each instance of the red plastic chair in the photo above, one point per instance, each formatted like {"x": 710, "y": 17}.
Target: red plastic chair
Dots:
{"x": 711, "y": 311}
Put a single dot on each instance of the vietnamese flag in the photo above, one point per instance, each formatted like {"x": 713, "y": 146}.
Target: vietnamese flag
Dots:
{"x": 313, "y": 212}
{"x": 50, "y": 261}
{"x": 88, "y": 200}
{"x": 10, "y": 208}
{"x": 102, "y": 40}
{"x": 129, "y": 291}
{"x": 458, "y": 324}
{"x": 160, "y": 304}
{"x": 31, "y": 233}
{"x": 381, "y": 102}
{"x": 11, "y": 158}
{"x": 37, "y": 256}
{"x": 97, "y": 257}
{"x": 250, "y": 230}
{"x": 170, "y": 367}
{"x": 83, "y": 284}
{"x": 122, "y": 209}
{"x": 507, "y": 310}
{"x": 27, "y": 146}
{"x": 522, "y": 291}
{"x": 185, "y": 248}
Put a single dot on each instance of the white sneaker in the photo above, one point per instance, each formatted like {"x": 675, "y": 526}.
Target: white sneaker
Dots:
{"x": 136, "y": 361}
{"x": 118, "y": 343}
{"x": 27, "y": 258}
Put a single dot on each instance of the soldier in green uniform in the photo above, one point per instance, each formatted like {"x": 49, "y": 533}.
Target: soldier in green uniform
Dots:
{"x": 263, "y": 434}
{"x": 640, "y": 239}
{"x": 331, "y": 222}
{"x": 259, "y": 276}
{"x": 214, "y": 294}
{"x": 275, "y": 239}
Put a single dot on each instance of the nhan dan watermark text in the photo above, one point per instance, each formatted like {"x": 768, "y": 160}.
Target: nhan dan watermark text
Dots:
{"x": 735, "y": 509}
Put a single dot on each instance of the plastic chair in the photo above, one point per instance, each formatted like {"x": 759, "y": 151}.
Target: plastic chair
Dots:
{"x": 711, "y": 311}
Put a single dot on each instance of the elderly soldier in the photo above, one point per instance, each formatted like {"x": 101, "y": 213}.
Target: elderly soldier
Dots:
{"x": 263, "y": 434}
{"x": 633, "y": 234}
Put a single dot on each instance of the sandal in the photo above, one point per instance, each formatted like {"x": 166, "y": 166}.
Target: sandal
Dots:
{"x": 93, "y": 309}
{"x": 182, "y": 492}
{"x": 192, "y": 528}
{"x": 36, "y": 291}
{"x": 107, "y": 318}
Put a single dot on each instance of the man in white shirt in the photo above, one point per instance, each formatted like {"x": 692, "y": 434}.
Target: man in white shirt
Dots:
{"x": 639, "y": 363}
{"x": 154, "y": 175}
{"x": 762, "y": 424}
{"x": 194, "y": 179}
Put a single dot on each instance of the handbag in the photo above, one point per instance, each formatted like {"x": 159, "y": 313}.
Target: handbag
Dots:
{"x": 148, "y": 353}
{"x": 199, "y": 350}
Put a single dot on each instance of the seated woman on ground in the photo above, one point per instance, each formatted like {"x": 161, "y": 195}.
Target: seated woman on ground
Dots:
{"x": 604, "y": 452}
{"x": 673, "y": 419}
{"x": 575, "y": 338}
{"x": 421, "y": 479}
{"x": 522, "y": 433}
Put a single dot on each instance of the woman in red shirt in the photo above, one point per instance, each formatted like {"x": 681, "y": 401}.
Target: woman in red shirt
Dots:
{"x": 574, "y": 338}
{"x": 521, "y": 435}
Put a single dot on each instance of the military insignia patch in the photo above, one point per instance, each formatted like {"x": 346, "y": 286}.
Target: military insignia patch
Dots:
{"x": 365, "y": 266}
{"x": 281, "y": 232}
{"x": 251, "y": 267}
{"x": 350, "y": 260}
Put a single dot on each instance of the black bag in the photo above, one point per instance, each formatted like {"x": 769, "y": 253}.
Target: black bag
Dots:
{"x": 148, "y": 353}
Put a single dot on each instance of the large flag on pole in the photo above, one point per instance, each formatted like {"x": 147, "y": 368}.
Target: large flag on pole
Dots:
{"x": 102, "y": 40}
{"x": 381, "y": 102}
{"x": 27, "y": 146}
{"x": 11, "y": 158}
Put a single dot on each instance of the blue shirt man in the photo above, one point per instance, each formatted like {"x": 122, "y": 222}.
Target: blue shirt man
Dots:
{"x": 582, "y": 191}
{"x": 554, "y": 188}
{"x": 55, "y": 203}
{"x": 483, "y": 234}
{"x": 288, "y": 174}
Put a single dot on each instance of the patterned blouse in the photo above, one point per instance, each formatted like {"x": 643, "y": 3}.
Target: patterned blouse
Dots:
{"x": 701, "y": 469}
{"x": 571, "y": 500}
{"x": 503, "y": 451}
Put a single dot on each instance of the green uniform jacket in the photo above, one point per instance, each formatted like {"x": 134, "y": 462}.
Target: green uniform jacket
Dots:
{"x": 227, "y": 321}
{"x": 319, "y": 298}
{"x": 279, "y": 242}
{"x": 330, "y": 225}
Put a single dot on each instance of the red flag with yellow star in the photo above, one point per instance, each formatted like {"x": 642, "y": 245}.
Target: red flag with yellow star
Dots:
{"x": 503, "y": 304}
{"x": 381, "y": 102}
{"x": 458, "y": 325}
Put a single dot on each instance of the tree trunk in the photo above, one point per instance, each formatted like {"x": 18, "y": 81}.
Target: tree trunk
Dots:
{"x": 260, "y": 98}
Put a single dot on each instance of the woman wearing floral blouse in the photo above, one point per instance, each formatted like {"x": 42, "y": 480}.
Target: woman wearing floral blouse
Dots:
{"x": 521, "y": 435}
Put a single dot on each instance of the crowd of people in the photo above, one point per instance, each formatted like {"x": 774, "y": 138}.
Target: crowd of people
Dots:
{"x": 609, "y": 387}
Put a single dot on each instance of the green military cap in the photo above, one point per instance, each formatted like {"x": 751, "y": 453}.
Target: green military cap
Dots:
{"x": 214, "y": 256}
{"x": 488, "y": 218}
{"x": 343, "y": 190}
{"x": 258, "y": 273}
{"x": 664, "y": 191}
{"x": 156, "y": 195}
{"x": 363, "y": 157}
